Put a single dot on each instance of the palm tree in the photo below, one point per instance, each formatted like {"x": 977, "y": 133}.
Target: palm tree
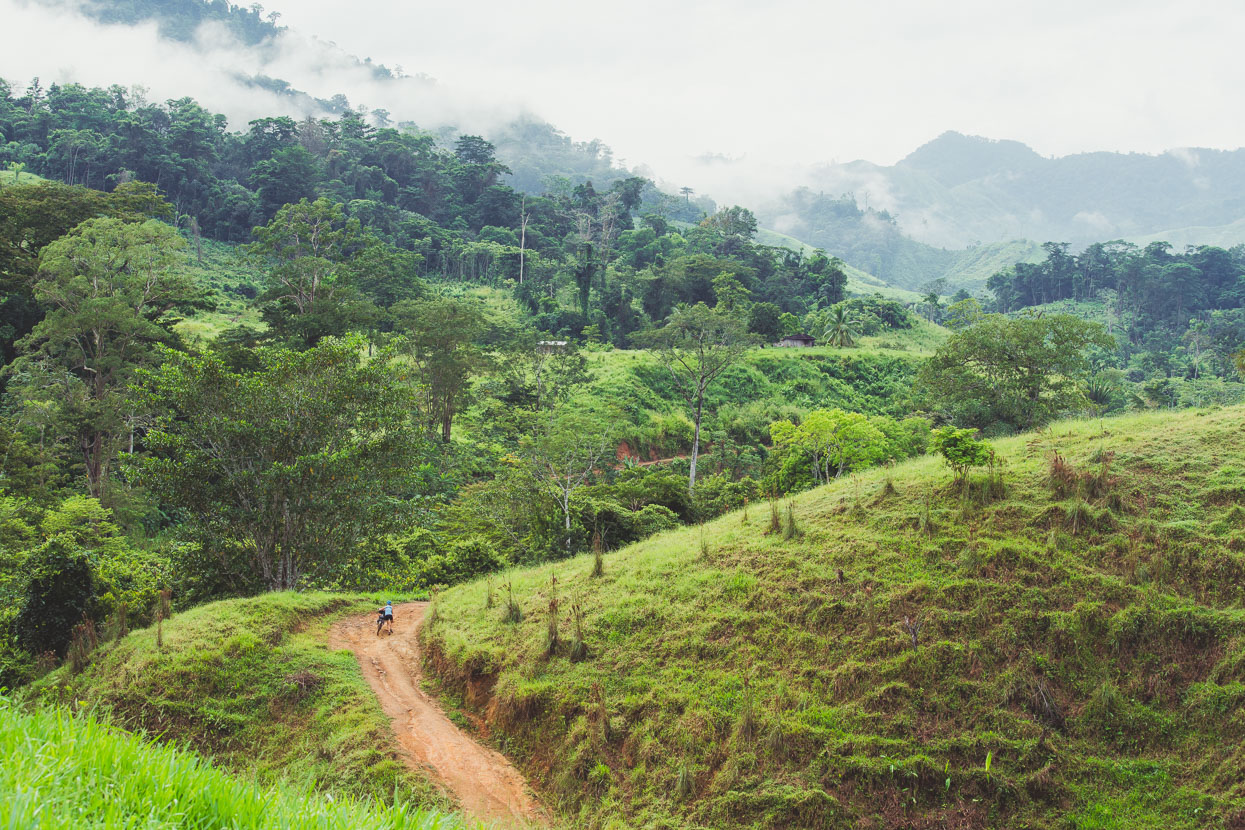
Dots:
{"x": 840, "y": 329}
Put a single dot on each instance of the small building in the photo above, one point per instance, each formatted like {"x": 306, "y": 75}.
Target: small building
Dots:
{"x": 797, "y": 340}
{"x": 550, "y": 346}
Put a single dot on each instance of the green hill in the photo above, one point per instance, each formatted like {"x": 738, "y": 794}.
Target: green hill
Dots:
{"x": 1060, "y": 647}
{"x": 57, "y": 770}
{"x": 11, "y": 177}
{"x": 252, "y": 684}
{"x": 766, "y": 385}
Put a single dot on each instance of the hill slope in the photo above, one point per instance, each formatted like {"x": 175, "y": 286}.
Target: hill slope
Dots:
{"x": 1079, "y": 660}
{"x": 252, "y": 684}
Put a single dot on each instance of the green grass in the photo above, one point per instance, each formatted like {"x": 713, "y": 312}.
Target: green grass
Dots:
{"x": 63, "y": 771}
{"x": 10, "y": 177}
{"x": 223, "y": 270}
{"x": 252, "y": 684}
{"x": 1081, "y": 660}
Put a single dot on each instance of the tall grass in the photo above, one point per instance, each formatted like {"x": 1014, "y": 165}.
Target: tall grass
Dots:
{"x": 59, "y": 770}
{"x": 1084, "y": 631}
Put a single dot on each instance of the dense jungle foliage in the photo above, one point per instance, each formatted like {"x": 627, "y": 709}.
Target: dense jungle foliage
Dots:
{"x": 331, "y": 354}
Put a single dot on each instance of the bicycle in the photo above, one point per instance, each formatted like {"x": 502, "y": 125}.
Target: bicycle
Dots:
{"x": 381, "y": 625}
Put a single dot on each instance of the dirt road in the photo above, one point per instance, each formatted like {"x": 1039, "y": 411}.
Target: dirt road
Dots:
{"x": 487, "y": 787}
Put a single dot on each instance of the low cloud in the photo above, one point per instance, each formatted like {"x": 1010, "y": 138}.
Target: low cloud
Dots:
{"x": 60, "y": 45}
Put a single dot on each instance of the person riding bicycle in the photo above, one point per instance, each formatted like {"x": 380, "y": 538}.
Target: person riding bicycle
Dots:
{"x": 386, "y": 615}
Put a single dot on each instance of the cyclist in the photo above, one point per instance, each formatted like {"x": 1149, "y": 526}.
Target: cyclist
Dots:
{"x": 386, "y": 616}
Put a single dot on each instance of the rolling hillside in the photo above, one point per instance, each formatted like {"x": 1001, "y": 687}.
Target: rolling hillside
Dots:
{"x": 252, "y": 684}
{"x": 1061, "y": 645}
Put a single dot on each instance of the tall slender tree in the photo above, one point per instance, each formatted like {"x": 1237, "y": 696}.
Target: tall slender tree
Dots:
{"x": 696, "y": 345}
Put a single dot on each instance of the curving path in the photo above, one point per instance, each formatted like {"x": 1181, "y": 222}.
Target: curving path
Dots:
{"x": 487, "y": 787}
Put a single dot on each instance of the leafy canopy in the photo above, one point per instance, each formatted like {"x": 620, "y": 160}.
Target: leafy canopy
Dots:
{"x": 285, "y": 471}
{"x": 1012, "y": 374}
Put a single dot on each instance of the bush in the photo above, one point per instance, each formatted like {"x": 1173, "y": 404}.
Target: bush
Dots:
{"x": 59, "y": 595}
{"x": 718, "y": 494}
{"x": 962, "y": 450}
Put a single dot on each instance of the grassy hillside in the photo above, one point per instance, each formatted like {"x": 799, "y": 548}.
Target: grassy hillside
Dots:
{"x": 8, "y": 177}
{"x": 973, "y": 266}
{"x": 252, "y": 684}
{"x": 225, "y": 271}
{"x": 1223, "y": 236}
{"x": 57, "y": 770}
{"x": 1061, "y": 648}
{"x": 767, "y": 384}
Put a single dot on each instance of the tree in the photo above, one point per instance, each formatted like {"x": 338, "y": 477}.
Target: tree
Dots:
{"x": 110, "y": 286}
{"x": 1015, "y": 373}
{"x": 34, "y": 215}
{"x": 286, "y": 471}
{"x": 964, "y": 313}
{"x": 289, "y": 176}
{"x": 840, "y": 328}
{"x": 833, "y": 440}
{"x": 60, "y": 594}
{"x": 763, "y": 321}
{"x": 696, "y": 345}
{"x": 440, "y": 337}
{"x": 962, "y": 450}
{"x": 732, "y": 297}
{"x": 565, "y": 454}
{"x": 308, "y": 249}
{"x": 844, "y": 440}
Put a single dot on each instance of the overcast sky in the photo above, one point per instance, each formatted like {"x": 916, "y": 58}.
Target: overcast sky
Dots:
{"x": 822, "y": 81}
{"x": 777, "y": 85}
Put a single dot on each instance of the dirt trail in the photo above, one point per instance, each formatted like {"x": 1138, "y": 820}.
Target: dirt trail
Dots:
{"x": 487, "y": 787}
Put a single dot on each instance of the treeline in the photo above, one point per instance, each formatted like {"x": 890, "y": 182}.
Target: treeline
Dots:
{"x": 578, "y": 256}
{"x": 180, "y": 19}
{"x": 1176, "y": 314}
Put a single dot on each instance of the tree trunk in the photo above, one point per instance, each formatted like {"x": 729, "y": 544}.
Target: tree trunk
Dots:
{"x": 522, "y": 237}
{"x": 691, "y": 480}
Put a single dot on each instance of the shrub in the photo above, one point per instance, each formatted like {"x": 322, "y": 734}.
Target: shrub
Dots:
{"x": 962, "y": 450}
{"x": 60, "y": 593}
{"x": 718, "y": 494}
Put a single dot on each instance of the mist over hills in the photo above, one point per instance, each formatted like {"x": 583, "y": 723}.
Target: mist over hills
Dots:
{"x": 957, "y": 191}
{"x": 958, "y": 207}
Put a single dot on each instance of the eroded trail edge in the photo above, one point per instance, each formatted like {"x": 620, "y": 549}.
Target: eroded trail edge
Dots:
{"x": 487, "y": 786}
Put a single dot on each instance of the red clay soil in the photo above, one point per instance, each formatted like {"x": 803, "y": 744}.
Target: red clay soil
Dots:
{"x": 488, "y": 788}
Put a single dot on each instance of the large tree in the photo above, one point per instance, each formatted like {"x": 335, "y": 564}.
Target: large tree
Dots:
{"x": 284, "y": 472}
{"x": 565, "y": 454}
{"x": 441, "y": 337}
{"x": 110, "y": 287}
{"x": 696, "y": 345}
{"x": 34, "y": 215}
{"x": 310, "y": 251}
{"x": 1017, "y": 374}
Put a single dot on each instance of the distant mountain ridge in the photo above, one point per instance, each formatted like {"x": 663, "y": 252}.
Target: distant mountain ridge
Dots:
{"x": 959, "y": 190}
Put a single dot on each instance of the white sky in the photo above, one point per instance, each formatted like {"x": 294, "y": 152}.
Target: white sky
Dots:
{"x": 777, "y": 86}
{"x": 820, "y": 81}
